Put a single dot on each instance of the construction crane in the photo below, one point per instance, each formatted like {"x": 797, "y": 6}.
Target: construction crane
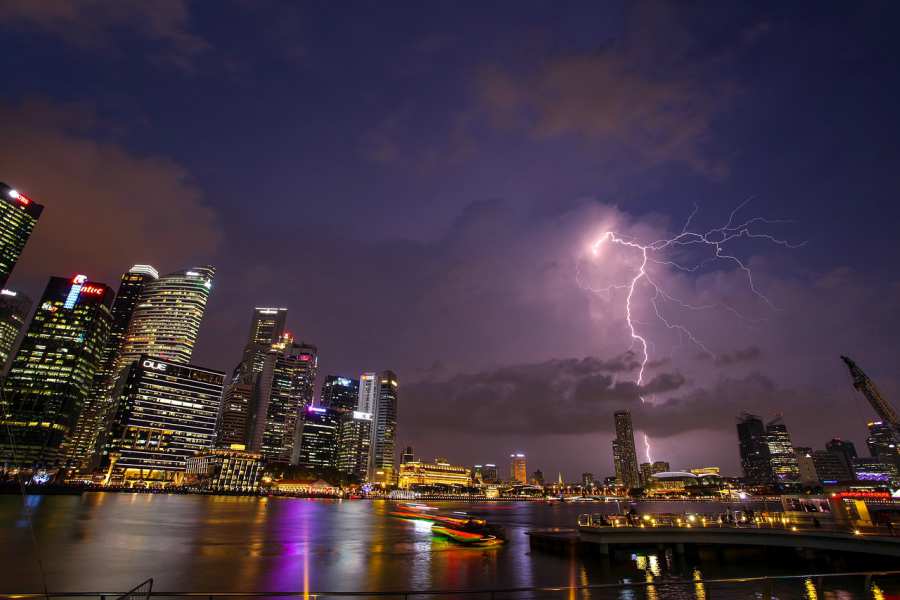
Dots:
{"x": 865, "y": 385}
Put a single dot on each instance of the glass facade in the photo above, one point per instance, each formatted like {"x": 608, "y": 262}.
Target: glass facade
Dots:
{"x": 354, "y": 440}
{"x": 51, "y": 375}
{"x": 319, "y": 430}
{"x": 165, "y": 412}
{"x": 383, "y": 460}
{"x": 340, "y": 393}
{"x": 14, "y": 310}
{"x": 18, "y": 215}
{"x": 782, "y": 459}
{"x": 754, "y": 449}
{"x": 224, "y": 471}
{"x": 624, "y": 453}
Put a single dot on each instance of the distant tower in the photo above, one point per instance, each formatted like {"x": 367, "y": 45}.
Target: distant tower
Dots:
{"x": 782, "y": 459}
{"x": 624, "y": 453}
{"x": 382, "y": 464}
{"x": 754, "y": 448}
{"x": 14, "y": 309}
{"x": 518, "y": 470}
{"x": 865, "y": 385}
{"x": 51, "y": 375}
{"x": 18, "y": 215}
{"x": 340, "y": 393}
{"x": 882, "y": 441}
{"x": 266, "y": 328}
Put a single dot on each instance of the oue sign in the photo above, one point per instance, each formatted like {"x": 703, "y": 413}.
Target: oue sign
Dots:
{"x": 156, "y": 366}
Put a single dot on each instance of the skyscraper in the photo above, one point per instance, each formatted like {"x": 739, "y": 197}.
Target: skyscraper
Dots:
{"x": 166, "y": 320}
{"x": 94, "y": 420}
{"x": 354, "y": 442}
{"x": 285, "y": 389}
{"x": 340, "y": 393}
{"x": 18, "y": 215}
{"x": 368, "y": 393}
{"x": 319, "y": 433}
{"x": 165, "y": 413}
{"x": 782, "y": 459}
{"x": 382, "y": 464}
{"x": 624, "y": 453}
{"x": 267, "y": 326}
{"x": 518, "y": 468}
{"x": 754, "y": 449}
{"x": 842, "y": 447}
{"x": 832, "y": 466}
{"x": 14, "y": 309}
{"x": 882, "y": 441}
{"x": 51, "y": 375}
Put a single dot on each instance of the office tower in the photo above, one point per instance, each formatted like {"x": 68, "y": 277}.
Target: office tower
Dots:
{"x": 354, "y": 441}
{"x": 407, "y": 455}
{"x": 781, "y": 451}
{"x": 867, "y": 388}
{"x": 382, "y": 463}
{"x": 340, "y": 393}
{"x": 832, "y": 467}
{"x": 650, "y": 469}
{"x": 14, "y": 309}
{"x": 51, "y": 375}
{"x": 94, "y": 421}
{"x": 518, "y": 471}
{"x": 754, "y": 449}
{"x": 165, "y": 413}
{"x": 842, "y": 447}
{"x": 489, "y": 473}
{"x": 587, "y": 480}
{"x": 537, "y": 477}
{"x": 806, "y": 466}
{"x": 238, "y": 403}
{"x": 166, "y": 320}
{"x": 624, "y": 454}
{"x": 267, "y": 327}
{"x": 18, "y": 215}
{"x": 876, "y": 471}
{"x": 882, "y": 441}
{"x": 319, "y": 436}
{"x": 285, "y": 389}
{"x": 368, "y": 393}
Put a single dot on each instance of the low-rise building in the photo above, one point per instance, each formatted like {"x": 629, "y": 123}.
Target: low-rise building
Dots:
{"x": 440, "y": 472}
{"x": 224, "y": 470}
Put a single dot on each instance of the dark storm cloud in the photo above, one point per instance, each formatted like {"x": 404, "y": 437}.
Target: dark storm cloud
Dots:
{"x": 748, "y": 354}
{"x": 94, "y": 23}
{"x": 105, "y": 207}
{"x": 647, "y": 92}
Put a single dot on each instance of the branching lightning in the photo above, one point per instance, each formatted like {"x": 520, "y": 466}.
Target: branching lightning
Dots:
{"x": 654, "y": 252}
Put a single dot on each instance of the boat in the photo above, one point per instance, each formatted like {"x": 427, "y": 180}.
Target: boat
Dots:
{"x": 462, "y": 529}
{"x": 467, "y": 537}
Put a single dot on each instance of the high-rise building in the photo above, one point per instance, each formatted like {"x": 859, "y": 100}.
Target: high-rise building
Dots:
{"x": 587, "y": 481}
{"x": 267, "y": 327}
{"x": 842, "y": 447}
{"x": 51, "y": 375}
{"x": 354, "y": 441}
{"x": 165, "y": 412}
{"x": 238, "y": 404}
{"x": 624, "y": 453}
{"x": 882, "y": 441}
{"x": 781, "y": 451}
{"x": 648, "y": 470}
{"x": 489, "y": 473}
{"x": 754, "y": 449}
{"x": 518, "y": 469}
{"x": 166, "y": 320}
{"x": 875, "y": 471}
{"x": 367, "y": 401}
{"x": 383, "y": 461}
{"x": 94, "y": 421}
{"x": 285, "y": 389}
{"x": 14, "y": 310}
{"x": 319, "y": 436}
{"x": 340, "y": 393}
{"x": 832, "y": 467}
{"x": 18, "y": 215}
{"x": 407, "y": 456}
{"x": 806, "y": 466}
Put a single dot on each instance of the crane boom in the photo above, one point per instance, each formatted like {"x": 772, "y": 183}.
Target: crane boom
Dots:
{"x": 865, "y": 385}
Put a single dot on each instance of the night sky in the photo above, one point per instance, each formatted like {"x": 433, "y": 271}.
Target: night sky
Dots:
{"x": 421, "y": 183}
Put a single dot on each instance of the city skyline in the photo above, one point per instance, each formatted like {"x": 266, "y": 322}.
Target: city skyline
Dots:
{"x": 451, "y": 254}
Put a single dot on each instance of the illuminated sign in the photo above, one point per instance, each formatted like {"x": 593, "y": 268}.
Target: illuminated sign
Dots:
{"x": 93, "y": 290}
{"x": 862, "y": 495}
{"x": 155, "y": 365}
{"x": 315, "y": 409}
{"x": 305, "y": 357}
{"x": 9, "y": 293}
{"x": 362, "y": 416}
{"x": 77, "y": 283}
{"x": 16, "y": 195}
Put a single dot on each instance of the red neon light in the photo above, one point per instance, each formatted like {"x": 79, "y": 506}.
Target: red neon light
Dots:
{"x": 93, "y": 290}
{"x": 305, "y": 357}
{"x": 863, "y": 494}
{"x": 23, "y": 199}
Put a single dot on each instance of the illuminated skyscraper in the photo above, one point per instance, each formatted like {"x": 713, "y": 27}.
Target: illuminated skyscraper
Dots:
{"x": 340, "y": 393}
{"x": 624, "y": 453}
{"x": 383, "y": 461}
{"x": 18, "y": 215}
{"x": 285, "y": 388}
{"x": 266, "y": 328}
{"x": 518, "y": 469}
{"x": 166, "y": 320}
{"x": 354, "y": 441}
{"x": 94, "y": 419}
{"x": 14, "y": 309}
{"x": 368, "y": 393}
{"x": 754, "y": 449}
{"x": 319, "y": 433}
{"x": 51, "y": 375}
{"x": 882, "y": 441}
{"x": 165, "y": 413}
{"x": 782, "y": 459}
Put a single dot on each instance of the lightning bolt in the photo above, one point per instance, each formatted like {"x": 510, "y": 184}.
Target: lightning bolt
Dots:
{"x": 654, "y": 252}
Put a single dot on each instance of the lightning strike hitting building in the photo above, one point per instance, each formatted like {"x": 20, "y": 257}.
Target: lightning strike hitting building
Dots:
{"x": 715, "y": 241}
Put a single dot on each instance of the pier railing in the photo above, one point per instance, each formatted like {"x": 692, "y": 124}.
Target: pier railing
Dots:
{"x": 876, "y": 585}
